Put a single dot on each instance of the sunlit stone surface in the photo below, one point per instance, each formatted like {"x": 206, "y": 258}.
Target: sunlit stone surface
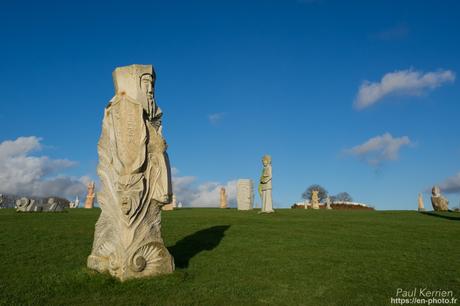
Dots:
{"x": 135, "y": 181}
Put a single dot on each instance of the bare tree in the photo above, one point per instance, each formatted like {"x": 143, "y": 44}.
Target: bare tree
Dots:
{"x": 342, "y": 197}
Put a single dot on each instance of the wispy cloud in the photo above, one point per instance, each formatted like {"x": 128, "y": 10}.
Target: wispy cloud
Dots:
{"x": 451, "y": 184}
{"x": 215, "y": 118}
{"x": 379, "y": 149}
{"x": 394, "y": 33}
{"x": 23, "y": 174}
{"x": 403, "y": 82}
{"x": 206, "y": 194}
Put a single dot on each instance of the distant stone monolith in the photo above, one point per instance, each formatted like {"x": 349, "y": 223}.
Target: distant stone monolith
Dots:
{"x": 223, "y": 198}
{"x": 135, "y": 181}
{"x": 244, "y": 194}
{"x": 421, "y": 207}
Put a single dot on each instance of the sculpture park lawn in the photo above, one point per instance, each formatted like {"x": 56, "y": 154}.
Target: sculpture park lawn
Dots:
{"x": 226, "y": 257}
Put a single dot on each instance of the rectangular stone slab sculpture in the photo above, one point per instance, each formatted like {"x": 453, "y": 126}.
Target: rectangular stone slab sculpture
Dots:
{"x": 135, "y": 180}
{"x": 244, "y": 194}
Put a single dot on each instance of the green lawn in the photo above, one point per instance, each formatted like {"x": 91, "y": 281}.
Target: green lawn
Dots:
{"x": 226, "y": 257}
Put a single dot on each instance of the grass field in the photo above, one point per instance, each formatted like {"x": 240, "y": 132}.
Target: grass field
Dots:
{"x": 226, "y": 257}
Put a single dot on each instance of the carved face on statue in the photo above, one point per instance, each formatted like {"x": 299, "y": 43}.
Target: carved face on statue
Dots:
{"x": 146, "y": 83}
{"x": 130, "y": 191}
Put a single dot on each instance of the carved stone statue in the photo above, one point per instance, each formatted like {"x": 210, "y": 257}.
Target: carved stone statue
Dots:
{"x": 314, "y": 199}
{"x": 26, "y": 205}
{"x": 328, "y": 203}
{"x": 265, "y": 185}
{"x": 75, "y": 203}
{"x": 223, "y": 198}
{"x": 421, "y": 207}
{"x": 439, "y": 202}
{"x": 89, "y": 202}
{"x": 135, "y": 181}
{"x": 244, "y": 194}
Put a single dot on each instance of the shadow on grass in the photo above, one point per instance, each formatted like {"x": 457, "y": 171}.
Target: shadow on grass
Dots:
{"x": 203, "y": 240}
{"x": 449, "y": 216}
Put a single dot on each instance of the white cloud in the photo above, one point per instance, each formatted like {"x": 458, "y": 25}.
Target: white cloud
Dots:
{"x": 451, "y": 184}
{"x": 380, "y": 148}
{"x": 206, "y": 194}
{"x": 23, "y": 174}
{"x": 215, "y": 118}
{"x": 404, "y": 82}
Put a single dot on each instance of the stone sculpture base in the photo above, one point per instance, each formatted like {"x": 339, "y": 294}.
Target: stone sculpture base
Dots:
{"x": 142, "y": 254}
{"x": 440, "y": 203}
{"x": 162, "y": 260}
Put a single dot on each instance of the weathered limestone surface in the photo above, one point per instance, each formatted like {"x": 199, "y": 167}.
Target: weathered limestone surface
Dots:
{"x": 89, "y": 202}
{"x": 265, "y": 185}
{"x": 421, "y": 207}
{"x": 314, "y": 199}
{"x": 244, "y": 194}
{"x": 223, "y": 198}
{"x": 26, "y": 205}
{"x": 135, "y": 181}
{"x": 53, "y": 206}
{"x": 30, "y": 205}
{"x": 439, "y": 202}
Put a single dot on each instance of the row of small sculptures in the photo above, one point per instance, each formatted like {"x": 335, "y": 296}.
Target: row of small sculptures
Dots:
{"x": 30, "y": 205}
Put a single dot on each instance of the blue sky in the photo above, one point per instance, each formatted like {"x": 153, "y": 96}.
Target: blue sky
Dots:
{"x": 240, "y": 79}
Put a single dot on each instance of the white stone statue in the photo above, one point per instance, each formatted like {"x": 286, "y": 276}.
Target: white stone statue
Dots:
{"x": 244, "y": 194}
{"x": 328, "y": 203}
{"x": 265, "y": 185}
{"x": 135, "y": 180}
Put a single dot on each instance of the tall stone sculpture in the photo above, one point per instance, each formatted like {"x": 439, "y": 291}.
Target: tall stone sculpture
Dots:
{"x": 135, "y": 181}
{"x": 244, "y": 194}
{"x": 89, "y": 201}
{"x": 223, "y": 198}
{"x": 314, "y": 199}
{"x": 265, "y": 185}
{"x": 421, "y": 207}
{"x": 439, "y": 202}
